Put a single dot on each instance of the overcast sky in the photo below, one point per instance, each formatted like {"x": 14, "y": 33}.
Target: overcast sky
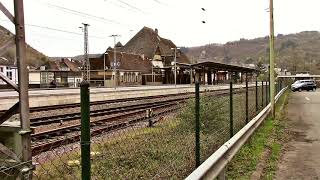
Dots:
{"x": 178, "y": 20}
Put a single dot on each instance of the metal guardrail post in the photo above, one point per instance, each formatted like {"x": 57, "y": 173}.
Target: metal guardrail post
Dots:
{"x": 266, "y": 93}
{"x": 262, "y": 95}
{"x": 247, "y": 103}
{"x": 85, "y": 131}
{"x": 231, "y": 110}
{"x": 222, "y": 175}
{"x": 197, "y": 124}
{"x": 269, "y": 89}
{"x": 257, "y": 103}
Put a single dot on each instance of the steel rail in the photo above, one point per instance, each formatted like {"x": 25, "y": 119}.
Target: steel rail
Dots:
{"x": 40, "y": 147}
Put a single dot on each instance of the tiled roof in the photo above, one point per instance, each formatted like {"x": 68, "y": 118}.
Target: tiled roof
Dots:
{"x": 6, "y": 62}
{"x": 147, "y": 42}
{"x": 127, "y": 62}
{"x": 131, "y": 62}
{"x": 62, "y": 65}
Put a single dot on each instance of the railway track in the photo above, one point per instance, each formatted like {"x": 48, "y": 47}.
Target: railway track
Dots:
{"x": 54, "y": 138}
{"x": 123, "y": 113}
{"x": 105, "y": 120}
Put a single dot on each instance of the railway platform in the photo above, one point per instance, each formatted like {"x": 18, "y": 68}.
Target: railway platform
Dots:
{"x": 49, "y": 97}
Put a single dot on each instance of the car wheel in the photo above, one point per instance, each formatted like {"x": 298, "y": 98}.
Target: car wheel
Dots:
{"x": 300, "y": 89}
{"x": 314, "y": 89}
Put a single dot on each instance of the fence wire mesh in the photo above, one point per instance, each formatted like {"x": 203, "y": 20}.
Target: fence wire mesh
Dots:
{"x": 142, "y": 139}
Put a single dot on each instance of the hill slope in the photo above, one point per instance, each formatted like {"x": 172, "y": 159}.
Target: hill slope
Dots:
{"x": 295, "y": 52}
{"x": 34, "y": 57}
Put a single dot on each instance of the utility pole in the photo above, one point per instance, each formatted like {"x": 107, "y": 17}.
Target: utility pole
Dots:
{"x": 114, "y": 60}
{"x": 86, "y": 63}
{"x": 272, "y": 60}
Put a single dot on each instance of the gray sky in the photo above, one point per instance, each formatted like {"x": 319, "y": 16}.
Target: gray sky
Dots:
{"x": 178, "y": 20}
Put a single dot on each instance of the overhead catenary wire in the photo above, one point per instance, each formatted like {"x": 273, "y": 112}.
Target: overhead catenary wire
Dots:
{"x": 118, "y": 5}
{"x": 58, "y": 30}
{"x": 131, "y": 6}
{"x": 159, "y": 2}
{"x": 83, "y": 14}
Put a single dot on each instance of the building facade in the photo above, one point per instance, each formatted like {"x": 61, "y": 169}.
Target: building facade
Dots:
{"x": 9, "y": 70}
{"x": 59, "y": 73}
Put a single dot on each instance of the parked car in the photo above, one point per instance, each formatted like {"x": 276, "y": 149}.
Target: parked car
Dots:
{"x": 308, "y": 85}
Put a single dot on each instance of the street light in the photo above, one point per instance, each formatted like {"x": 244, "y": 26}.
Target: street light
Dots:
{"x": 114, "y": 60}
{"x": 104, "y": 69}
{"x": 175, "y": 65}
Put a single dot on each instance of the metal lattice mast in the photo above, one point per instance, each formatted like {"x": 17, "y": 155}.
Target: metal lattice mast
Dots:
{"x": 85, "y": 65}
{"x": 22, "y": 88}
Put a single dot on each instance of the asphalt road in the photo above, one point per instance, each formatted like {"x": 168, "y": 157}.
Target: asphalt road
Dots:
{"x": 301, "y": 158}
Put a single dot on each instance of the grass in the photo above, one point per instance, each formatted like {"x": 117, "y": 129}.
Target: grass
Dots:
{"x": 165, "y": 151}
{"x": 265, "y": 142}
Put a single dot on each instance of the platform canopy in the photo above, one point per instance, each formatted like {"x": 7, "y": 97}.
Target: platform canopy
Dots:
{"x": 224, "y": 67}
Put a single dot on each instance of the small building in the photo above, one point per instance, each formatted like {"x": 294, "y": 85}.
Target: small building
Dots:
{"x": 8, "y": 69}
{"x": 59, "y": 73}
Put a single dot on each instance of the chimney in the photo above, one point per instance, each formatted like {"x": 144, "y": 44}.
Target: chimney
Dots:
{"x": 156, "y": 30}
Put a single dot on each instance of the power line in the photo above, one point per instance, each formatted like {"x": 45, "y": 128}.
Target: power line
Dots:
{"x": 159, "y": 2}
{"x": 60, "y": 30}
{"x": 83, "y": 14}
{"x": 131, "y": 6}
{"x": 55, "y": 29}
{"x": 118, "y": 5}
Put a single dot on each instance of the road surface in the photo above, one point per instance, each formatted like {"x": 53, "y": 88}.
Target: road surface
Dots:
{"x": 301, "y": 156}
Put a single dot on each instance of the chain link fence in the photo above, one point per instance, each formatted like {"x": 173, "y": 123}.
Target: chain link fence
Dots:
{"x": 147, "y": 139}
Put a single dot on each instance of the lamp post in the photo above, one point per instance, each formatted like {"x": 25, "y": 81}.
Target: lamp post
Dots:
{"x": 175, "y": 65}
{"x": 104, "y": 69}
{"x": 114, "y": 60}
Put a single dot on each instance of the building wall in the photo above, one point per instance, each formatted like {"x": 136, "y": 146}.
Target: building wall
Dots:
{"x": 130, "y": 78}
{"x": 9, "y": 71}
{"x": 34, "y": 77}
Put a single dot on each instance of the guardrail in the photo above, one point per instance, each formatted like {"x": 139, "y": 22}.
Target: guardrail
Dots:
{"x": 214, "y": 166}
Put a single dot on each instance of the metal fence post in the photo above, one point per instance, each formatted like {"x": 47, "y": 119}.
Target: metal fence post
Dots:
{"x": 257, "y": 104}
{"x": 231, "y": 111}
{"x": 197, "y": 125}
{"x": 247, "y": 106}
{"x": 85, "y": 131}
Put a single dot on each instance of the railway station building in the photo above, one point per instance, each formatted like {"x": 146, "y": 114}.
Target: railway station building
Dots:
{"x": 149, "y": 59}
